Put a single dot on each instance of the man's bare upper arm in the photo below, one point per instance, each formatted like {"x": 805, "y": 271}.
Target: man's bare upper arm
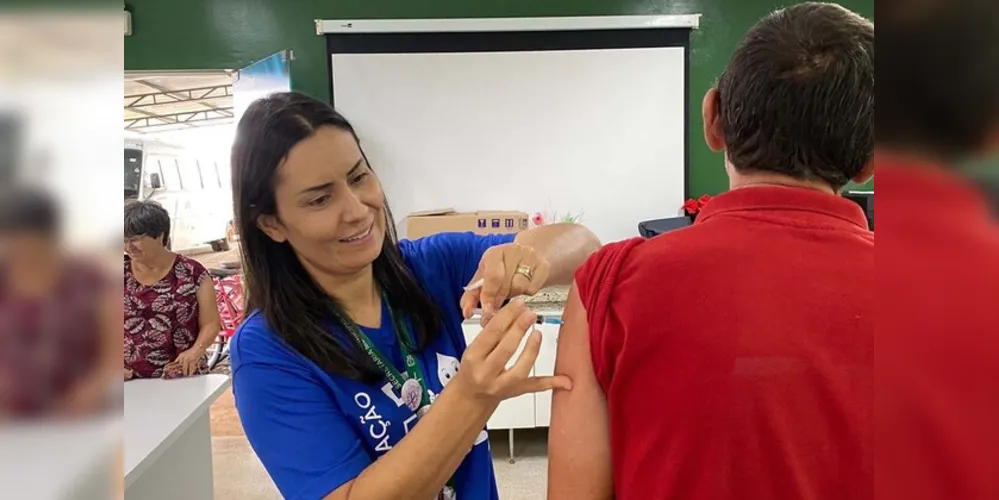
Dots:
{"x": 579, "y": 464}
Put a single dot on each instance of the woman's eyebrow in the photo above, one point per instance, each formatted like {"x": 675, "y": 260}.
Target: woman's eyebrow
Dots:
{"x": 357, "y": 166}
{"x": 321, "y": 188}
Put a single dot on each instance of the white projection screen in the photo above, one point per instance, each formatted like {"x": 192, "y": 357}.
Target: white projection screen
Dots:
{"x": 590, "y": 122}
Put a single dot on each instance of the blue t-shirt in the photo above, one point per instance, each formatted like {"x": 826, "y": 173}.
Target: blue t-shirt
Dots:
{"x": 314, "y": 431}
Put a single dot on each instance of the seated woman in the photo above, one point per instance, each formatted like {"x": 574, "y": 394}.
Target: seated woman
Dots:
{"x": 58, "y": 338}
{"x": 171, "y": 316}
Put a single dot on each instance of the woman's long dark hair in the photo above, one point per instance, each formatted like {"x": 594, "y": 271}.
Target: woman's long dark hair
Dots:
{"x": 277, "y": 284}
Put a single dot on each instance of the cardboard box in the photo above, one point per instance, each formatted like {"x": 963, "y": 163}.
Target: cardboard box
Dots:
{"x": 420, "y": 224}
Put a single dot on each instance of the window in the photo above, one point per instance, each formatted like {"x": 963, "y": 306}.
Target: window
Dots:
{"x": 210, "y": 174}
{"x": 189, "y": 175}
{"x": 168, "y": 169}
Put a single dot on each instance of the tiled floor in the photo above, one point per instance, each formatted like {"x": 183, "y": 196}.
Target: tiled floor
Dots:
{"x": 225, "y": 421}
{"x": 239, "y": 474}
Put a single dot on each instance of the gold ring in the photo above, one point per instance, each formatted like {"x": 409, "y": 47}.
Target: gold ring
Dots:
{"x": 525, "y": 271}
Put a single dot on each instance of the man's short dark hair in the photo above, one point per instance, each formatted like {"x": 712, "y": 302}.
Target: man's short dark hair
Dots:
{"x": 939, "y": 85}
{"x": 28, "y": 210}
{"x": 147, "y": 218}
{"x": 797, "y": 98}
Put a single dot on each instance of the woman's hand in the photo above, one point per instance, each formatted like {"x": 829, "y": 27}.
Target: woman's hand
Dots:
{"x": 129, "y": 374}
{"x": 484, "y": 375}
{"x": 172, "y": 370}
{"x": 189, "y": 360}
{"x": 506, "y": 271}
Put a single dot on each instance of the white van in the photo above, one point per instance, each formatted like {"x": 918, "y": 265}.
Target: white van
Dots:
{"x": 193, "y": 187}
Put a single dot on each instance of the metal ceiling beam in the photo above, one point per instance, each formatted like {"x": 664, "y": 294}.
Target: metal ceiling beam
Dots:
{"x": 173, "y": 127}
{"x": 192, "y": 95}
{"x": 174, "y": 93}
{"x": 144, "y": 112}
{"x": 147, "y": 114}
{"x": 131, "y": 76}
{"x": 179, "y": 118}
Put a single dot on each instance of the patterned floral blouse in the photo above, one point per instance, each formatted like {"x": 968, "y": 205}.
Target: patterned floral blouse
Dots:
{"x": 161, "y": 321}
{"x": 48, "y": 343}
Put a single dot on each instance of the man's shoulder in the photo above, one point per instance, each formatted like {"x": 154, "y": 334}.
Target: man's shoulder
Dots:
{"x": 979, "y": 253}
{"x": 676, "y": 246}
{"x": 636, "y": 261}
{"x": 686, "y": 245}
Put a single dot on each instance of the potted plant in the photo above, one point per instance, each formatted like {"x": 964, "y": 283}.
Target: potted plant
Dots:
{"x": 540, "y": 219}
{"x": 692, "y": 206}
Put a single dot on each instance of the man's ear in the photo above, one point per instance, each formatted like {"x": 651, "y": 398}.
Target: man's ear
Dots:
{"x": 865, "y": 173}
{"x": 714, "y": 135}
{"x": 272, "y": 228}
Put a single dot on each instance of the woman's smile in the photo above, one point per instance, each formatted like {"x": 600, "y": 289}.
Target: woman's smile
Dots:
{"x": 363, "y": 237}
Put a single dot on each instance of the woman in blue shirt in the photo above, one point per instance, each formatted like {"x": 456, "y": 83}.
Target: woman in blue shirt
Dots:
{"x": 339, "y": 372}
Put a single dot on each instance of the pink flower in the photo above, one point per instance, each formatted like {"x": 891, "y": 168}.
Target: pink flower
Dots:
{"x": 538, "y": 219}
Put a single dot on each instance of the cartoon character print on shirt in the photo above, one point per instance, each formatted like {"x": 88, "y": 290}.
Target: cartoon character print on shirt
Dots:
{"x": 447, "y": 368}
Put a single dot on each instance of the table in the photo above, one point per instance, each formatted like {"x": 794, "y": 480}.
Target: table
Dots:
{"x": 168, "y": 442}
{"x": 52, "y": 460}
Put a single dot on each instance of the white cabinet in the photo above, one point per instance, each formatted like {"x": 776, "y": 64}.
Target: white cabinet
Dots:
{"x": 514, "y": 413}
{"x": 530, "y": 410}
{"x": 545, "y": 366}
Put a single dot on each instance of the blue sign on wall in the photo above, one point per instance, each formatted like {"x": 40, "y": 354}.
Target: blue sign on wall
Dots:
{"x": 264, "y": 77}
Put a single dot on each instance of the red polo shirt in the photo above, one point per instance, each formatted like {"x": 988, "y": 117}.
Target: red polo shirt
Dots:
{"x": 937, "y": 344}
{"x": 736, "y": 354}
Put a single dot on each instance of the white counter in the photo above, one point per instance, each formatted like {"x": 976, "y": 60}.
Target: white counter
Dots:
{"x": 168, "y": 448}
{"x": 58, "y": 460}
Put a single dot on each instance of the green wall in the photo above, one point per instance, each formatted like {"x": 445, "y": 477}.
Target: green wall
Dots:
{"x": 230, "y": 34}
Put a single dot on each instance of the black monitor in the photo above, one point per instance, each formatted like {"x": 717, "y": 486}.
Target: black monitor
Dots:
{"x": 866, "y": 201}
{"x": 651, "y": 228}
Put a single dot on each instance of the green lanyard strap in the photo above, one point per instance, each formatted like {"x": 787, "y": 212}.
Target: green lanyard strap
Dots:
{"x": 412, "y": 387}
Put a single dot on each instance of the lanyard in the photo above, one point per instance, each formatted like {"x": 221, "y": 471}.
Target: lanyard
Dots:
{"x": 412, "y": 387}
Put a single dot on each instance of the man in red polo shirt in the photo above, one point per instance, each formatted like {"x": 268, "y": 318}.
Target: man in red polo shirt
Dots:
{"x": 733, "y": 359}
{"x": 937, "y": 343}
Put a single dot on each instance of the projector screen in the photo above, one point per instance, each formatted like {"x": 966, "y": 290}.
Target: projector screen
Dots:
{"x": 594, "y": 132}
